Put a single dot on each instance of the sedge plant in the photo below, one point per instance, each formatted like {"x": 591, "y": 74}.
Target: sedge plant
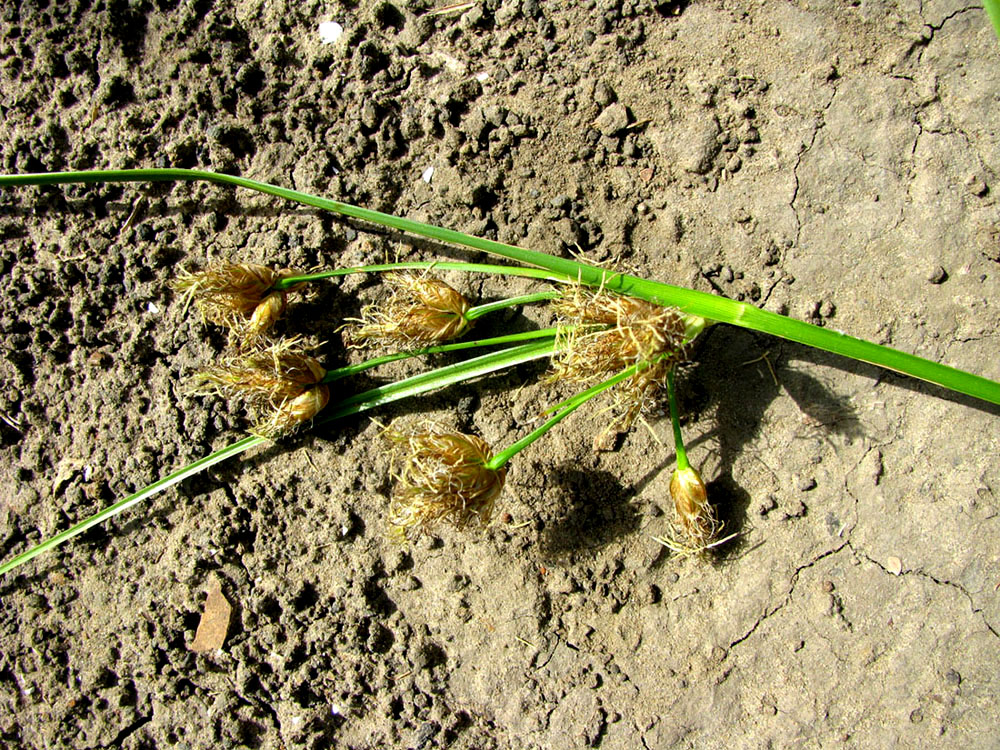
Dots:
{"x": 617, "y": 333}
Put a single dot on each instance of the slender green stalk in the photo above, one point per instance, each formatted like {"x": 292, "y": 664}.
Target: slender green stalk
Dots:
{"x": 529, "y": 273}
{"x": 513, "y": 338}
{"x": 356, "y": 404}
{"x": 439, "y": 378}
{"x": 563, "y": 410}
{"x": 146, "y": 492}
{"x": 682, "y": 459}
{"x": 502, "y": 304}
{"x": 689, "y": 301}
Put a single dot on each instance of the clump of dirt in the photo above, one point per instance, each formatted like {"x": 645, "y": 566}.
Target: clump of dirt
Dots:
{"x": 836, "y": 162}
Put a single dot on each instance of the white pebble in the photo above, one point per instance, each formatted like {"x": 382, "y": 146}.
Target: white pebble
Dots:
{"x": 427, "y": 175}
{"x": 894, "y": 565}
{"x": 152, "y": 309}
{"x": 330, "y": 31}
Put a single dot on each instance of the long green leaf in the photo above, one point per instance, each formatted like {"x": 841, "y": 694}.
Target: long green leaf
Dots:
{"x": 689, "y": 301}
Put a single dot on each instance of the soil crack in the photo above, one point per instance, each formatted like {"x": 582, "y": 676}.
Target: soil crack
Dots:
{"x": 928, "y": 576}
{"x": 788, "y": 596}
{"x": 818, "y": 126}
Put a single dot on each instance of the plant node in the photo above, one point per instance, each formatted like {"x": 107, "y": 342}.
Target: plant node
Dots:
{"x": 282, "y": 387}
{"x": 445, "y": 477}
{"x": 421, "y": 310}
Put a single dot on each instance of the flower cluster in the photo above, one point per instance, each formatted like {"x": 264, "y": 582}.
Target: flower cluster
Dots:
{"x": 445, "y": 477}
{"x": 421, "y": 310}
{"x": 280, "y": 385}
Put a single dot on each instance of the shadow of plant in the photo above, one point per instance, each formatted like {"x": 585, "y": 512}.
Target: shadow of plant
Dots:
{"x": 584, "y": 509}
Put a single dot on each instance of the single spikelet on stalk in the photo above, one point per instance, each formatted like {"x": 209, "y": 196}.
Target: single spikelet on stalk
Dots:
{"x": 607, "y": 333}
{"x": 421, "y": 310}
{"x": 694, "y": 528}
{"x": 239, "y": 296}
{"x": 445, "y": 478}
{"x": 281, "y": 386}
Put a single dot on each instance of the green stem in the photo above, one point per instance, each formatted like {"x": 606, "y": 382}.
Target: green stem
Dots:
{"x": 356, "y": 404}
{"x": 993, "y": 10}
{"x": 343, "y": 372}
{"x": 689, "y": 301}
{"x": 480, "y": 310}
{"x": 566, "y": 408}
{"x": 682, "y": 459}
{"x": 440, "y": 378}
{"x": 122, "y": 505}
{"x": 529, "y": 273}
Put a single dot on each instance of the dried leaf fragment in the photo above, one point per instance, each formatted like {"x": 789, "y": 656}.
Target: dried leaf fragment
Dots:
{"x": 214, "y": 624}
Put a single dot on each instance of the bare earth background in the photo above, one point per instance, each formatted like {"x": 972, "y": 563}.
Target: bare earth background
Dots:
{"x": 834, "y": 160}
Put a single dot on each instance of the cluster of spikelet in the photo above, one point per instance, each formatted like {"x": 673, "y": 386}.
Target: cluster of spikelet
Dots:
{"x": 237, "y": 296}
{"x": 608, "y": 333}
{"x": 446, "y": 476}
{"x": 278, "y": 382}
{"x": 420, "y": 311}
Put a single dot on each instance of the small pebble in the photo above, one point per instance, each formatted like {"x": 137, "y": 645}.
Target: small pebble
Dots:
{"x": 894, "y": 565}
{"x": 612, "y": 120}
{"x": 937, "y": 275}
{"x": 330, "y": 32}
{"x": 976, "y": 184}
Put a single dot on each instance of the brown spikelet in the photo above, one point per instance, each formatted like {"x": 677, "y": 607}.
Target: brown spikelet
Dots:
{"x": 421, "y": 310}
{"x": 610, "y": 333}
{"x": 444, "y": 478}
{"x": 237, "y": 296}
{"x": 280, "y": 385}
{"x": 694, "y": 528}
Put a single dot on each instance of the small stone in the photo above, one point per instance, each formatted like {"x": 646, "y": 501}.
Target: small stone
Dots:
{"x": 976, "y": 184}
{"x": 804, "y": 484}
{"x": 734, "y": 163}
{"x": 952, "y": 677}
{"x": 894, "y": 565}
{"x": 828, "y": 586}
{"x": 604, "y": 95}
{"x": 937, "y": 275}
{"x": 612, "y": 120}
{"x": 767, "y": 505}
{"x": 916, "y": 716}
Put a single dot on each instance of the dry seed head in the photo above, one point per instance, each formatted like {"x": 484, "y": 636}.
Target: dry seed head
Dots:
{"x": 444, "y": 478}
{"x": 293, "y": 412}
{"x": 236, "y": 295}
{"x": 695, "y": 526}
{"x": 611, "y": 333}
{"x": 421, "y": 310}
{"x": 280, "y": 385}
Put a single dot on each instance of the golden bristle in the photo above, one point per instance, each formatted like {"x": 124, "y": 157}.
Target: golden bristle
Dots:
{"x": 293, "y": 412}
{"x": 420, "y": 310}
{"x": 694, "y": 528}
{"x": 444, "y": 479}
{"x": 281, "y": 384}
{"x": 232, "y": 295}
{"x": 610, "y": 333}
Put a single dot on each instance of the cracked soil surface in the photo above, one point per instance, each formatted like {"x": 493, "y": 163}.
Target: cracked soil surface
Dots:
{"x": 834, "y": 161}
